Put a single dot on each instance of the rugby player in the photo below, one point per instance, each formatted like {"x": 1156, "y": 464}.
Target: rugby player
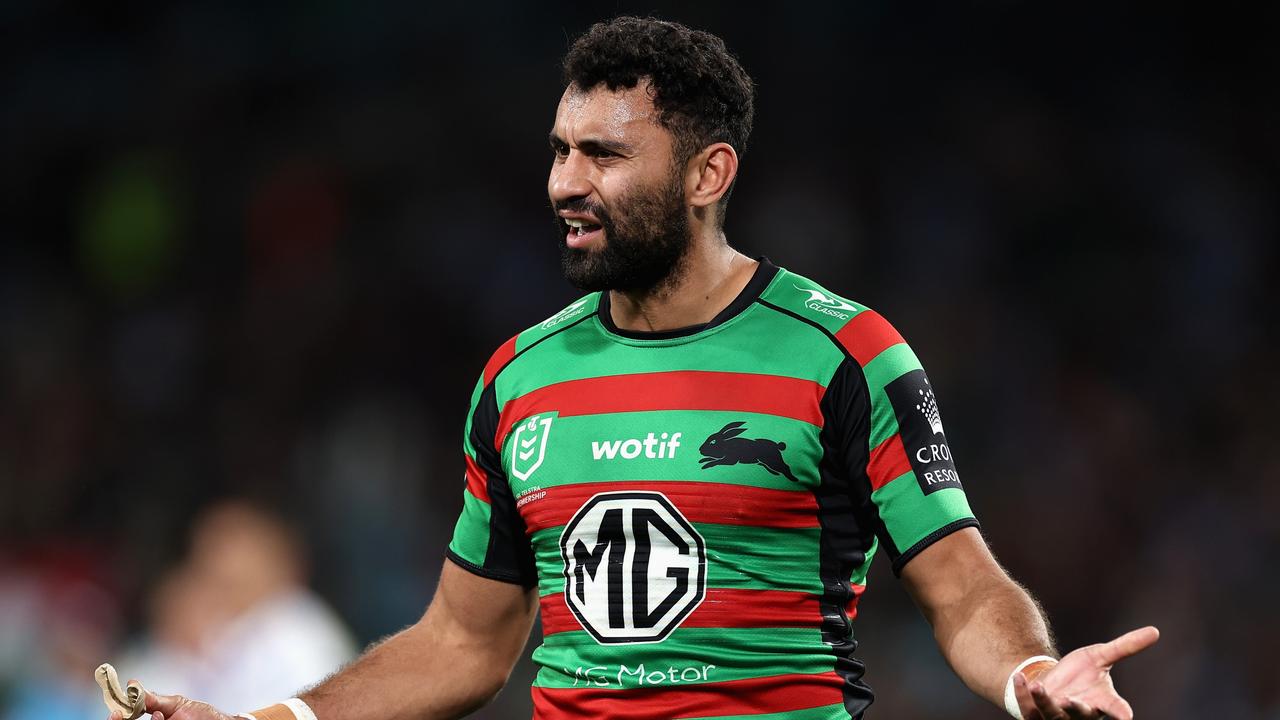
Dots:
{"x": 689, "y": 470}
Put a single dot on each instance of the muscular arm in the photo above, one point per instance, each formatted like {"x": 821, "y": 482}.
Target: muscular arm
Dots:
{"x": 452, "y": 661}
{"x": 984, "y": 622}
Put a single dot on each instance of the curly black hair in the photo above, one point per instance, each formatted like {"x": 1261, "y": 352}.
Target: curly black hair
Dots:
{"x": 702, "y": 94}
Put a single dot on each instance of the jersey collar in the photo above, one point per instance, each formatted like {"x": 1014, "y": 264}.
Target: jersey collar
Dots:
{"x": 759, "y": 281}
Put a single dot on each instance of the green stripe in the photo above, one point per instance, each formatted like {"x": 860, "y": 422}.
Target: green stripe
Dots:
{"x": 735, "y": 653}
{"x": 471, "y": 534}
{"x": 570, "y": 458}
{"x": 859, "y": 576}
{"x": 785, "y": 293}
{"x": 826, "y": 712}
{"x": 909, "y": 515}
{"x": 531, "y": 336}
{"x": 893, "y": 363}
{"x": 738, "y": 556}
{"x": 770, "y": 342}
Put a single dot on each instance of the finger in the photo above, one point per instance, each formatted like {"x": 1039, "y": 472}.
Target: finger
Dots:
{"x": 115, "y": 715}
{"x": 1128, "y": 644}
{"x": 1077, "y": 710}
{"x": 1026, "y": 704}
{"x": 157, "y": 715}
{"x": 1045, "y": 704}
{"x": 165, "y": 704}
{"x": 1117, "y": 708}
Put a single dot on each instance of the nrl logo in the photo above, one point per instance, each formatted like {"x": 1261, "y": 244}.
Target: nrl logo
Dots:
{"x": 572, "y": 311}
{"x": 529, "y": 445}
{"x": 825, "y": 304}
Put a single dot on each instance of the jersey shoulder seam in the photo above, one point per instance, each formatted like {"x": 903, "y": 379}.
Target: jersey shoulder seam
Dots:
{"x": 814, "y": 324}
{"x": 535, "y": 344}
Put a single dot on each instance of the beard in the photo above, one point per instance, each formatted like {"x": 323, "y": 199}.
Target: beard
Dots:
{"x": 645, "y": 242}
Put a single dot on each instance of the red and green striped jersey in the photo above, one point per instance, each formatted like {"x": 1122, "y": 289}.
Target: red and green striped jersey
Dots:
{"x": 698, "y": 509}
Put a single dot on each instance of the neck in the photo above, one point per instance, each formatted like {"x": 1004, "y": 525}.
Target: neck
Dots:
{"x": 711, "y": 275}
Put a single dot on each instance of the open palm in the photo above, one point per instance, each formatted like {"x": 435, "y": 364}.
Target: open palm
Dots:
{"x": 1079, "y": 687}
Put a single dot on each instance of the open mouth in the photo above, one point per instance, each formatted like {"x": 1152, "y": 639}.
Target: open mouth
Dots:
{"x": 581, "y": 233}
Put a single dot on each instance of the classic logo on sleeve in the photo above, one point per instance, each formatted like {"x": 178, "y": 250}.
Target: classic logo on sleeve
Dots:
{"x": 825, "y": 304}
{"x": 574, "y": 310}
{"x": 920, "y": 427}
{"x": 634, "y": 567}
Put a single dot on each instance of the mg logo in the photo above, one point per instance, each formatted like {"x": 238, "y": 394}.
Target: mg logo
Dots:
{"x": 529, "y": 445}
{"x": 634, "y": 567}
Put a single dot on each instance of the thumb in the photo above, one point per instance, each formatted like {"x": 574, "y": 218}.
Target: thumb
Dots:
{"x": 164, "y": 704}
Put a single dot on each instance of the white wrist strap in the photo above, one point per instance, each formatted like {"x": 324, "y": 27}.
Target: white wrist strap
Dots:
{"x": 1011, "y": 697}
{"x": 299, "y": 709}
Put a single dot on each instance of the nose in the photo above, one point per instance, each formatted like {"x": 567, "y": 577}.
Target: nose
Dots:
{"x": 570, "y": 179}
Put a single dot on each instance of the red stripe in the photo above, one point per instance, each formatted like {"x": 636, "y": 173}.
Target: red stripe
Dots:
{"x": 851, "y": 609}
{"x": 700, "y": 502}
{"x": 499, "y": 359}
{"x": 888, "y": 461}
{"x": 775, "y": 694}
{"x": 677, "y": 390}
{"x": 867, "y": 335}
{"x": 722, "y": 608}
{"x": 477, "y": 479}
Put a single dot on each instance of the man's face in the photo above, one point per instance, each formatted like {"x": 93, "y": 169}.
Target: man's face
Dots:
{"x": 616, "y": 190}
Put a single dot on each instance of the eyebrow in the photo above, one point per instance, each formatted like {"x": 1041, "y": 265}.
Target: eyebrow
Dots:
{"x": 589, "y": 145}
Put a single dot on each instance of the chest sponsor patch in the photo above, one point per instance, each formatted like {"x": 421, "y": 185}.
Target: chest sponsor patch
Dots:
{"x": 920, "y": 426}
{"x": 634, "y": 567}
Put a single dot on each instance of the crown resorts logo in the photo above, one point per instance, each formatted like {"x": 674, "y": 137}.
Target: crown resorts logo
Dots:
{"x": 928, "y": 406}
{"x": 825, "y": 304}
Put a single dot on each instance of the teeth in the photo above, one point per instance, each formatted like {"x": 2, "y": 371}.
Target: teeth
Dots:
{"x": 573, "y": 222}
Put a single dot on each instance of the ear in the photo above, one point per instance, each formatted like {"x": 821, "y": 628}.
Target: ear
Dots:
{"x": 709, "y": 174}
{"x": 731, "y": 426}
{"x": 735, "y": 432}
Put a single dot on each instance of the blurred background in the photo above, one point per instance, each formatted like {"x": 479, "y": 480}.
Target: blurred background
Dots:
{"x": 254, "y": 255}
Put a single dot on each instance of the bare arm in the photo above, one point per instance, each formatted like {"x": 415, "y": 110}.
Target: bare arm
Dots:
{"x": 986, "y": 624}
{"x": 452, "y": 661}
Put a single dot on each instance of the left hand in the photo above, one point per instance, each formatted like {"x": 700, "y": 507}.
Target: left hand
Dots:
{"x": 1079, "y": 686}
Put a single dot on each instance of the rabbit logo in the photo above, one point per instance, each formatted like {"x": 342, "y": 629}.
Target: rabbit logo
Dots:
{"x": 724, "y": 447}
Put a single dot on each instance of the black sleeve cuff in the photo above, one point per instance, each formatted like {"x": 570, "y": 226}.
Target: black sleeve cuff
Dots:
{"x": 930, "y": 539}
{"x": 499, "y": 575}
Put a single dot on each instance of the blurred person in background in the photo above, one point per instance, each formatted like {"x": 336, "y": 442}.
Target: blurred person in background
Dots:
{"x": 63, "y": 624}
{"x": 236, "y": 621}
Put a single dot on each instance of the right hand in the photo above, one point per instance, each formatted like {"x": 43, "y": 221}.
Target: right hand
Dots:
{"x": 176, "y": 707}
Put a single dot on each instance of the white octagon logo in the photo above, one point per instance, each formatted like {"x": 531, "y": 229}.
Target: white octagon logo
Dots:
{"x": 634, "y": 567}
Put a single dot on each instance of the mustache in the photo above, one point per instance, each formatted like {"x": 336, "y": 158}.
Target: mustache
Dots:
{"x": 582, "y": 205}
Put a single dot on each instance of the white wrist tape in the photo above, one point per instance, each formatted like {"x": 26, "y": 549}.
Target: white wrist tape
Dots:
{"x": 1011, "y": 697}
{"x": 294, "y": 706}
{"x": 300, "y": 709}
